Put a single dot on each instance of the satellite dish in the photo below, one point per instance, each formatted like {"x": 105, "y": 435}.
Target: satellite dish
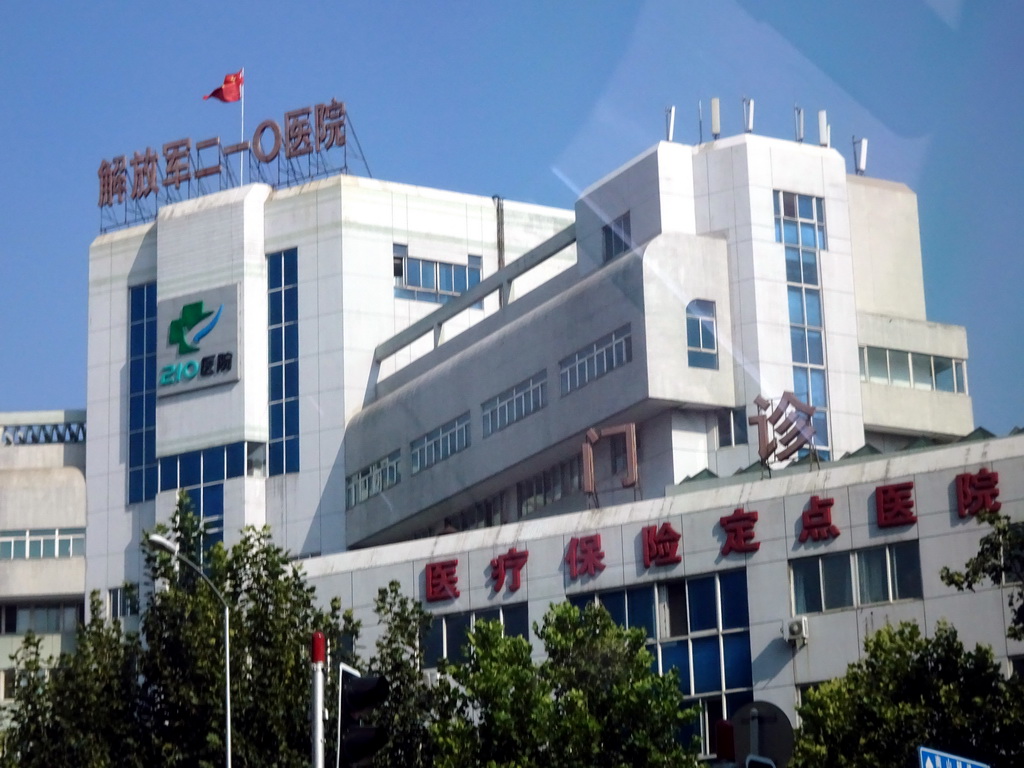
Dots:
{"x": 774, "y": 733}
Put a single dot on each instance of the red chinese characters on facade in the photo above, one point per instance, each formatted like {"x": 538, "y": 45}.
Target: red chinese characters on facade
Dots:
{"x": 442, "y": 580}
{"x": 790, "y": 423}
{"x": 585, "y": 556}
{"x": 894, "y": 505}
{"x": 977, "y": 492}
{"x": 306, "y": 130}
{"x": 509, "y": 564}
{"x": 816, "y": 521}
{"x": 660, "y": 545}
{"x": 739, "y": 532}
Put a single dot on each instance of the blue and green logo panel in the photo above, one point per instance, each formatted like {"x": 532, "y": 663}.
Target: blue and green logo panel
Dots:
{"x": 197, "y": 341}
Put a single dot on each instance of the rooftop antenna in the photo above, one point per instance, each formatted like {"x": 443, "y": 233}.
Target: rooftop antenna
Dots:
{"x": 670, "y": 119}
{"x": 824, "y": 130}
{"x": 700, "y": 122}
{"x": 860, "y": 155}
{"x": 798, "y": 123}
{"x": 716, "y": 119}
{"x": 748, "y": 115}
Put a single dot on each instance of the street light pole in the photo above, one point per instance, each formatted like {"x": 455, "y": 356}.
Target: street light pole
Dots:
{"x": 161, "y": 542}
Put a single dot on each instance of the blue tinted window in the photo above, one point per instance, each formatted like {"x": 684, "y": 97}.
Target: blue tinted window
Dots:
{"x": 733, "y": 589}
{"x": 581, "y": 601}
{"x": 137, "y": 300}
{"x": 676, "y": 656}
{"x": 291, "y": 379}
{"x": 736, "y": 650}
{"x": 276, "y": 375}
{"x": 516, "y": 620}
{"x": 458, "y": 631}
{"x": 274, "y": 271}
{"x": 640, "y": 602}
{"x": 706, "y": 665}
{"x": 141, "y": 439}
{"x": 168, "y": 473}
{"x": 276, "y": 345}
{"x": 291, "y": 303}
{"x": 291, "y": 454}
{"x": 703, "y": 608}
{"x": 274, "y": 308}
{"x": 213, "y": 465}
{"x": 277, "y": 421}
{"x": 813, "y": 308}
{"x": 213, "y": 501}
{"x": 189, "y": 469}
{"x": 276, "y": 458}
{"x": 291, "y": 266}
{"x": 291, "y": 341}
{"x": 236, "y": 460}
{"x": 135, "y": 486}
{"x": 615, "y": 604}
{"x": 433, "y": 643}
{"x": 796, "y": 306}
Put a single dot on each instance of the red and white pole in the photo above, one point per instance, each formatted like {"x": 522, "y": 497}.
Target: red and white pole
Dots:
{"x": 319, "y": 658}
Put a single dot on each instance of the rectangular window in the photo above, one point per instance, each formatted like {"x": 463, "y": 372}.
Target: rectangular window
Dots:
{"x": 440, "y": 444}
{"x": 732, "y": 427}
{"x": 141, "y": 446}
{"x": 881, "y": 574}
{"x": 595, "y": 360}
{"x": 515, "y": 403}
{"x": 616, "y": 238}
{"x": 376, "y": 478}
{"x": 433, "y": 281}
{"x": 701, "y": 340}
{"x": 547, "y": 487}
{"x": 124, "y": 601}
{"x": 42, "y": 543}
{"x": 283, "y": 342}
{"x": 446, "y": 636}
{"x": 912, "y": 369}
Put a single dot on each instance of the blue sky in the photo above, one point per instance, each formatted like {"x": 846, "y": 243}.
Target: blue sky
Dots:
{"x": 530, "y": 100}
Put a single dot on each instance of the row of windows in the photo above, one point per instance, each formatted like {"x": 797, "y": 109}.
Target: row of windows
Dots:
{"x": 142, "y": 474}
{"x": 547, "y": 487}
{"x": 701, "y": 344}
{"x": 376, "y": 478}
{"x": 210, "y": 465}
{"x": 912, "y": 369}
{"x": 42, "y": 543}
{"x": 43, "y": 619}
{"x": 446, "y": 636}
{"x": 880, "y": 575}
{"x": 515, "y": 403}
{"x": 595, "y": 360}
{"x": 283, "y": 340}
{"x": 433, "y": 281}
{"x": 440, "y": 444}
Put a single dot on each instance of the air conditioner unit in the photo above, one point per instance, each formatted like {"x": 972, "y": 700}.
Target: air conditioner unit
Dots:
{"x": 796, "y": 630}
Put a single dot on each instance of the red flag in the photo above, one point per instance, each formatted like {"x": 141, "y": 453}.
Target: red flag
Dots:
{"x": 232, "y": 88}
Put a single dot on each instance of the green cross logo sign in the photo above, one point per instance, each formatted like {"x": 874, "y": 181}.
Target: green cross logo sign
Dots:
{"x": 186, "y": 332}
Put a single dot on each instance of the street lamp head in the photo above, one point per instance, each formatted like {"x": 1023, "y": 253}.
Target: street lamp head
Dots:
{"x": 161, "y": 542}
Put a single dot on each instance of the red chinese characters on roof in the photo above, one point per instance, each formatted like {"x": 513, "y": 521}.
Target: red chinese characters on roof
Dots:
{"x": 894, "y": 505}
{"x": 816, "y": 521}
{"x": 739, "y": 532}
{"x": 585, "y": 556}
{"x": 660, "y": 545}
{"x": 442, "y": 580}
{"x": 977, "y": 492}
{"x": 509, "y": 565}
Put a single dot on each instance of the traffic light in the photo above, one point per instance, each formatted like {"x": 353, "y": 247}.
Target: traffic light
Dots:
{"x": 359, "y": 743}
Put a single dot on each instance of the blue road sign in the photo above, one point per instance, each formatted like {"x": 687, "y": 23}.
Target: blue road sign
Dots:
{"x": 932, "y": 758}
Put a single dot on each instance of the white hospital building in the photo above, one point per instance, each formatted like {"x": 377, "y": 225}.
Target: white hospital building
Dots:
{"x": 416, "y": 384}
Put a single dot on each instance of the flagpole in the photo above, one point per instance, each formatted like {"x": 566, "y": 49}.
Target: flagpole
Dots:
{"x": 241, "y": 155}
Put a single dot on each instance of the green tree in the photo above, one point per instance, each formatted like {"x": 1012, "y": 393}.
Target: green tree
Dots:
{"x": 80, "y": 709}
{"x": 117, "y": 701}
{"x": 273, "y": 615}
{"x": 594, "y": 701}
{"x": 399, "y": 657}
{"x": 910, "y": 691}
{"x": 1000, "y": 560}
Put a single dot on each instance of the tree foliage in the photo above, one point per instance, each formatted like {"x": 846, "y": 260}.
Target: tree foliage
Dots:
{"x": 594, "y": 701}
{"x": 1000, "y": 560}
{"x": 910, "y": 691}
{"x": 117, "y": 701}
